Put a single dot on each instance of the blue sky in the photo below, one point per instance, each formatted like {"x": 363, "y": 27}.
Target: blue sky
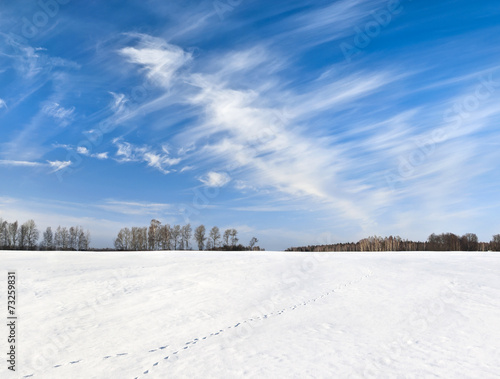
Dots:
{"x": 299, "y": 122}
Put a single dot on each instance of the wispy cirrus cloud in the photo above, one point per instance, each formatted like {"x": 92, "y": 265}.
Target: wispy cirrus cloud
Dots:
{"x": 255, "y": 136}
{"x": 58, "y": 165}
{"x": 137, "y": 207}
{"x": 82, "y": 150}
{"x": 299, "y": 141}
{"x": 119, "y": 103}
{"x": 54, "y": 165}
{"x": 215, "y": 179}
{"x": 334, "y": 21}
{"x": 13, "y": 163}
{"x": 159, "y": 59}
{"x": 31, "y": 61}
{"x": 186, "y": 168}
{"x": 161, "y": 161}
{"x": 55, "y": 110}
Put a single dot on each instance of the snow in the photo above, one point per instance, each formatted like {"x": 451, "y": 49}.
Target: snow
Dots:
{"x": 255, "y": 315}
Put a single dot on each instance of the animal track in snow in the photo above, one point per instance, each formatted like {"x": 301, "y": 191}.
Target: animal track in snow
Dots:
{"x": 266, "y": 316}
{"x": 195, "y": 340}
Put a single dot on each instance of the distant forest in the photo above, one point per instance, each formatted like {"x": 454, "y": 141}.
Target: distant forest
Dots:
{"x": 435, "y": 242}
{"x": 177, "y": 237}
{"x": 15, "y": 236}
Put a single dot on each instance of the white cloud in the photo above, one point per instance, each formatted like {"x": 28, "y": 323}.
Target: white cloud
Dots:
{"x": 2, "y": 104}
{"x": 101, "y": 155}
{"x": 82, "y": 150}
{"x": 339, "y": 161}
{"x": 160, "y": 59}
{"x": 185, "y": 149}
{"x": 331, "y": 22}
{"x": 161, "y": 161}
{"x": 59, "y": 165}
{"x": 55, "y": 165}
{"x": 27, "y": 61}
{"x": 119, "y": 102}
{"x": 64, "y": 115}
{"x": 255, "y": 135}
{"x": 20, "y": 163}
{"x": 215, "y": 179}
{"x": 256, "y": 139}
{"x": 243, "y": 61}
{"x": 244, "y": 186}
{"x": 186, "y": 168}
{"x": 125, "y": 151}
{"x": 341, "y": 92}
{"x": 31, "y": 61}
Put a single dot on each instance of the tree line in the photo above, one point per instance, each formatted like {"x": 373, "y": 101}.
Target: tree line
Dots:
{"x": 435, "y": 242}
{"x": 177, "y": 237}
{"x": 26, "y": 236}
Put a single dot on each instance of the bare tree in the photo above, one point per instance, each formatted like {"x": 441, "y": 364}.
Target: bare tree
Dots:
{"x": 127, "y": 238}
{"x": 120, "y": 241}
{"x": 253, "y": 241}
{"x": 225, "y": 237}
{"x": 214, "y": 237}
{"x": 135, "y": 243}
{"x": 234, "y": 239}
{"x": 143, "y": 239}
{"x": 139, "y": 238}
{"x": 87, "y": 240}
{"x": 48, "y": 239}
{"x": 469, "y": 242}
{"x": 4, "y": 234}
{"x": 154, "y": 234}
{"x": 209, "y": 244}
{"x": 73, "y": 238}
{"x": 176, "y": 232}
{"x": 57, "y": 239}
{"x": 64, "y": 238}
{"x": 186, "y": 232}
{"x": 444, "y": 242}
{"x": 199, "y": 236}
{"x": 495, "y": 243}
{"x": 13, "y": 235}
{"x": 22, "y": 241}
{"x": 434, "y": 242}
{"x": 124, "y": 239}
{"x": 166, "y": 237}
{"x": 32, "y": 234}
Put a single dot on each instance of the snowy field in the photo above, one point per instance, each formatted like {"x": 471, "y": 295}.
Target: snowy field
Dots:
{"x": 254, "y": 315}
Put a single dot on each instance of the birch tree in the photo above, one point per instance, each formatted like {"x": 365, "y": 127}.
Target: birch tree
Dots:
{"x": 32, "y": 234}
{"x": 176, "y": 232}
{"x": 214, "y": 237}
{"x": 199, "y": 236}
{"x": 48, "y": 239}
{"x": 186, "y": 233}
{"x": 225, "y": 237}
{"x": 234, "y": 239}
